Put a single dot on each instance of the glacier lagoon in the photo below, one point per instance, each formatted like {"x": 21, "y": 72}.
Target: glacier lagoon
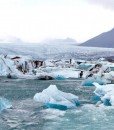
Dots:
{"x": 26, "y": 114}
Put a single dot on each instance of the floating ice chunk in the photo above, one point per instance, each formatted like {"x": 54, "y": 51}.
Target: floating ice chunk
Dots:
{"x": 106, "y": 93}
{"x": 95, "y": 99}
{"x": 54, "y": 98}
{"x": 4, "y": 104}
{"x": 41, "y": 98}
{"x": 106, "y": 100}
{"x": 99, "y": 90}
{"x": 89, "y": 81}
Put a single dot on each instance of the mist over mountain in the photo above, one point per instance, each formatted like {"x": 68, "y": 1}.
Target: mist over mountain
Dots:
{"x": 13, "y": 39}
{"x": 60, "y": 41}
{"x": 105, "y": 39}
{"x": 10, "y": 39}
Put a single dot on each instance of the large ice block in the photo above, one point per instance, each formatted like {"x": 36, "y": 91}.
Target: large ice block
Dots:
{"x": 54, "y": 98}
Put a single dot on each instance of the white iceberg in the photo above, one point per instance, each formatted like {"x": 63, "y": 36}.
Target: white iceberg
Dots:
{"x": 54, "y": 98}
{"x": 106, "y": 93}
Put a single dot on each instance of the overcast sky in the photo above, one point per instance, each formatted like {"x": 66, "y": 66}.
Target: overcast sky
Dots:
{"x": 35, "y": 20}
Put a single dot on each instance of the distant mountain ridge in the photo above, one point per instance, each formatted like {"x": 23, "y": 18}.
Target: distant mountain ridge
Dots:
{"x": 10, "y": 39}
{"x": 13, "y": 39}
{"x": 60, "y": 41}
{"x": 105, "y": 39}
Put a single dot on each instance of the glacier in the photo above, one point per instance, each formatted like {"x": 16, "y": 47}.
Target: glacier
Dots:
{"x": 54, "y": 51}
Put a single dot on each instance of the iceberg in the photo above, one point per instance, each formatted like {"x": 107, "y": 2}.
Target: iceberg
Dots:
{"x": 106, "y": 93}
{"x": 95, "y": 99}
{"x": 4, "y": 104}
{"x": 54, "y": 98}
{"x": 90, "y": 80}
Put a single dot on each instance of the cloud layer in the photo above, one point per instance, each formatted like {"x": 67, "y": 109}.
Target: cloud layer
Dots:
{"x": 35, "y": 20}
{"x": 109, "y": 4}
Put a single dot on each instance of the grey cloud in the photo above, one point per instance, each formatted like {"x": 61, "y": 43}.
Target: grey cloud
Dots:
{"x": 109, "y": 4}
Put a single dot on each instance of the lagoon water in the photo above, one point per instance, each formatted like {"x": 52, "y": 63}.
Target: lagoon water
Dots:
{"x": 29, "y": 115}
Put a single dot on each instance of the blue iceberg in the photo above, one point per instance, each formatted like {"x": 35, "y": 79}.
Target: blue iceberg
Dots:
{"x": 90, "y": 80}
{"x": 54, "y": 98}
{"x": 107, "y": 102}
{"x": 95, "y": 99}
{"x": 4, "y": 104}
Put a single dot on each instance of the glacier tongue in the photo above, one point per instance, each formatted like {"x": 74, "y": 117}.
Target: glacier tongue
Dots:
{"x": 52, "y": 51}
